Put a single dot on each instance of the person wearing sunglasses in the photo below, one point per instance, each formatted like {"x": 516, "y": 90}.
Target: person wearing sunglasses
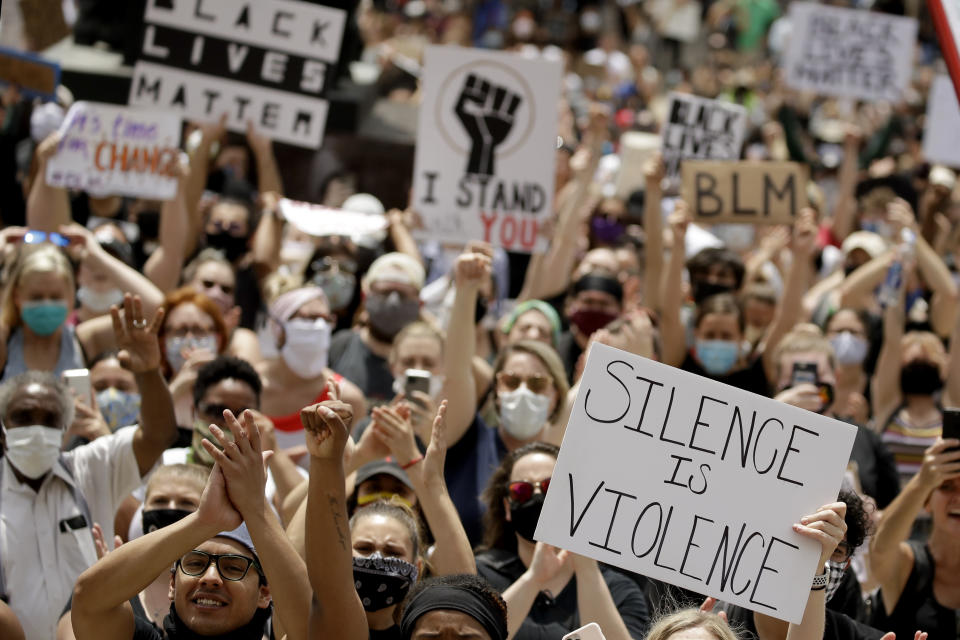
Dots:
{"x": 232, "y": 565}
{"x": 549, "y": 592}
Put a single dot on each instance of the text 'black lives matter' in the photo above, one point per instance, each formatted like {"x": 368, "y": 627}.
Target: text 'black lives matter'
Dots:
{"x": 263, "y": 62}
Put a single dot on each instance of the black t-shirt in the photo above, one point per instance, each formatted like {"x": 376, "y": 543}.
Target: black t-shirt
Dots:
{"x": 552, "y": 618}
{"x": 751, "y": 378}
{"x": 354, "y": 360}
{"x": 393, "y": 633}
{"x": 876, "y": 468}
{"x": 837, "y": 626}
{"x": 569, "y": 352}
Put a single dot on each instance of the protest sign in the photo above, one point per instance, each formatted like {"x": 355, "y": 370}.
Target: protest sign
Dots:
{"x": 849, "y": 52}
{"x": 636, "y": 147}
{"x": 748, "y": 191}
{"x": 108, "y": 149}
{"x": 317, "y": 220}
{"x": 34, "y": 76}
{"x": 264, "y": 62}
{"x": 946, "y": 21}
{"x": 701, "y": 128}
{"x": 693, "y": 482}
{"x": 487, "y": 134}
{"x": 942, "y": 124}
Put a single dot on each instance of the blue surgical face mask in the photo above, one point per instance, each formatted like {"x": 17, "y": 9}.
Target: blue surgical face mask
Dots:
{"x": 119, "y": 408}
{"x": 717, "y": 356}
{"x": 43, "y": 317}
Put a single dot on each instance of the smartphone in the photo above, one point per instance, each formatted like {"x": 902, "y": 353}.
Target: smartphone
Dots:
{"x": 417, "y": 380}
{"x": 79, "y": 381}
{"x": 587, "y": 632}
{"x": 951, "y": 425}
{"x": 804, "y": 373}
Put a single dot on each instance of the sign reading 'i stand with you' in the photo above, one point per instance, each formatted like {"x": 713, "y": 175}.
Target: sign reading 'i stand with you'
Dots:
{"x": 262, "y": 61}
{"x": 693, "y": 482}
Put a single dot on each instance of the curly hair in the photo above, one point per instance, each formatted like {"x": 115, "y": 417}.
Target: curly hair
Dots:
{"x": 859, "y": 524}
{"x": 497, "y": 534}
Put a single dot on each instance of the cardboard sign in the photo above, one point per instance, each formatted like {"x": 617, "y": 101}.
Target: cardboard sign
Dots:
{"x": 318, "y": 220}
{"x": 693, "y": 482}
{"x": 946, "y": 22}
{"x": 849, "y": 52}
{"x": 701, "y": 128}
{"x": 264, "y": 62}
{"x": 107, "y": 149}
{"x": 942, "y": 124}
{"x": 749, "y": 191}
{"x": 636, "y": 147}
{"x": 487, "y": 136}
{"x": 34, "y": 76}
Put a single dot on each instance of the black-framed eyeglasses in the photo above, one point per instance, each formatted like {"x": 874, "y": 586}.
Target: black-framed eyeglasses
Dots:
{"x": 230, "y": 566}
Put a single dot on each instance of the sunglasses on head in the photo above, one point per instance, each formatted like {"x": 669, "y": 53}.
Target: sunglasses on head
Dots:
{"x": 37, "y": 237}
{"x": 537, "y": 383}
{"x": 521, "y": 491}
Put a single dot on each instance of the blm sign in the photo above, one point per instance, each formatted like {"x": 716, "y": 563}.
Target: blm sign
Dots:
{"x": 849, "y": 52}
{"x": 701, "y": 128}
{"x": 263, "y": 61}
{"x": 486, "y": 140}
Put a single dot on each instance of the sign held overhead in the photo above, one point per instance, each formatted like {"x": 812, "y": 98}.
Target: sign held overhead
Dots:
{"x": 487, "y": 122}
{"x": 108, "y": 149}
{"x": 748, "y": 191}
{"x": 690, "y": 481}
{"x": 701, "y": 128}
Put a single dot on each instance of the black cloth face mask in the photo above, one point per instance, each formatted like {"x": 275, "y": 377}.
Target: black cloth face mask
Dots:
{"x": 159, "y": 518}
{"x": 382, "y": 582}
{"x": 524, "y": 517}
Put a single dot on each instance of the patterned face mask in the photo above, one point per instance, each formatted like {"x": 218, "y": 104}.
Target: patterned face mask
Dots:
{"x": 382, "y": 582}
{"x": 119, "y": 408}
{"x": 835, "y": 572}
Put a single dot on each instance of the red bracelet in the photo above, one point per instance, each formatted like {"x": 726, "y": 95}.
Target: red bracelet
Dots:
{"x": 411, "y": 463}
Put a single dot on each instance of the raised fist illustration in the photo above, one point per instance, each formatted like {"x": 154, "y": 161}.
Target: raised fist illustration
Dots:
{"x": 487, "y": 113}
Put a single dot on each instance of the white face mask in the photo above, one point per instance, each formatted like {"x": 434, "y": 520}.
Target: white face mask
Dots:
{"x": 33, "y": 450}
{"x": 523, "y": 413}
{"x": 99, "y": 301}
{"x": 305, "y": 346}
{"x": 176, "y": 346}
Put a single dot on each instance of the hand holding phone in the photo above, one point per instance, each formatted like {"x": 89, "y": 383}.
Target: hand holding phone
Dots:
{"x": 587, "y": 632}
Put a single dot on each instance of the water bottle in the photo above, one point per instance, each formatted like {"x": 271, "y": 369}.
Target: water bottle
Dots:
{"x": 890, "y": 289}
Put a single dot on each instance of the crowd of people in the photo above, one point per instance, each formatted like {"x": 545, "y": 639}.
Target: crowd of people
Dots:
{"x": 352, "y": 436}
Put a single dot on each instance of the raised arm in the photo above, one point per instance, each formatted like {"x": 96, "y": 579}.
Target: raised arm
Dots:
{"x": 891, "y": 558}
{"x": 210, "y": 133}
{"x": 452, "y": 553}
{"x": 269, "y": 235}
{"x": 336, "y": 610}
{"x": 594, "y": 602}
{"x": 952, "y": 393}
{"x": 459, "y": 387}
{"x": 48, "y": 208}
{"x": 245, "y": 475}
{"x": 790, "y": 306}
{"x": 845, "y": 211}
{"x": 164, "y": 265}
{"x": 101, "y": 596}
{"x": 857, "y": 289}
{"x": 140, "y": 353}
{"x": 653, "y": 171}
{"x": 885, "y": 390}
{"x": 403, "y": 241}
{"x": 672, "y": 330}
{"x": 121, "y": 275}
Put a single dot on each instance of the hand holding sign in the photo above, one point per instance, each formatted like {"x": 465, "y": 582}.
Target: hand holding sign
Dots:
{"x": 486, "y": 112}
{"x": 826, "y": 526}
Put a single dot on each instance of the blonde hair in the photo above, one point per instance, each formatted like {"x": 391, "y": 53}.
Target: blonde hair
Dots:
{"x": 195, "y": 474}
{"x": 805, "y": 338}
{"x": 34, "y": 258}
{"x": 277, "y": 284}
{"x": 548, "y": 356}
{"x": 418, "y": 329}
{"x": 685, "y": 619}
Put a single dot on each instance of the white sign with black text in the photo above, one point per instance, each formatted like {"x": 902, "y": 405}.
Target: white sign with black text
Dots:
{"x": 701, "y": 128}
{"x": 849, "y": 52}
{"x": 106, "y": 149}
{"x": 484, "y": 163}
{"x": 693, "y": 482}
{"x": 942, "y": 124}
{"x": 264, "y": 62}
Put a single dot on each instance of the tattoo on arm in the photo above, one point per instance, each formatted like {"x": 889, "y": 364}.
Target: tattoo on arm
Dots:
{"x": 338, "y": 520}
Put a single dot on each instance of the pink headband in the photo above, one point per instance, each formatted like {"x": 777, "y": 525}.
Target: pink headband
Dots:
{"x": 287, "y": 304}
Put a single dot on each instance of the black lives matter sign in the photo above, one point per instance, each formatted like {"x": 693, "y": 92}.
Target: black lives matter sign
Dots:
{"x": 702, "y": 129}
{"x": 849, "y": 52}
{"x": 262, "y": 61}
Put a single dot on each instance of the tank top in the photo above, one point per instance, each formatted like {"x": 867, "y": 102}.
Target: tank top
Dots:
{"x": 907, "y": 443}
{"x": 71, "y": 356}
{"x": 288, "y": 429}
{"x": 917, "y": 607}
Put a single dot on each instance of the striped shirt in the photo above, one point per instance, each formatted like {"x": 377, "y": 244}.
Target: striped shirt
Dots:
{"x": 907, "y": 443}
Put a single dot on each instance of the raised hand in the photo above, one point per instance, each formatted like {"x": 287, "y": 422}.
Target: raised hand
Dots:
{"x": 101, "y": 543}
{"x": 137, "y": 338}
{"x": 215, "y": 130}
{"x": 258, "y": 142}
{"x": 708, "y": 606}
{"x": 679, "y": 220}
{"x": 216, "y": 512}
{"x": 805, "y": 234}
{"x": 392, "y": 427}
{"x": 326, "y": 427}
{"x": 471, "y": 269}
{"x": 941, "y": 462}
{"x": 487, "y": 114}
{"x": 242, "y": 461}
{"x": 548, "y": 561}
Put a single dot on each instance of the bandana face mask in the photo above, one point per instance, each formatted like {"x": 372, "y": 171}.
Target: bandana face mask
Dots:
{"x": 835, "y": 573}
{"x": 382, "y": 582}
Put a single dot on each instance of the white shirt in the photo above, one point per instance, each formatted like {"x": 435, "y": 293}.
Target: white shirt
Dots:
{"x": 41, "y": 563}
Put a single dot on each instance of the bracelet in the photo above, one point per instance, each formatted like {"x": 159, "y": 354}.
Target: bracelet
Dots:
{"x": 411, "y": 463}
{"x": 819, "y": 582}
